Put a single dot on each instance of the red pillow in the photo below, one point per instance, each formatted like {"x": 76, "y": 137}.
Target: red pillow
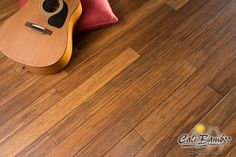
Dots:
{"x": 96, "y": 14}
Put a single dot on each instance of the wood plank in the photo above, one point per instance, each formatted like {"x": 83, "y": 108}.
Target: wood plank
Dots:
{"x": 221, "y": 15}
{"x": 163, "y": 52}
{"x": 232, "y": 67}
{"x": 232, "y": 152}
{"x": 223, "y": 112}
{"x": 18, "y": 89}
{"x": 218, "y": 116}
{"x": 86, "y": 70}
{"x": 206, "y": 12}
{"x": 71, "y": 83}
{"x": 116, "y": 118}
{"x": 139, "y": 73}
{"x": 5, "y": 64}
{"x": 9, "y": 81}
{"x": 180, "y": 37}
{"x": 11, "y": 7}
{"x": 163, "y": 30}
{"x": 64, "y": 128}
{"x": 177, "y": 4}
{"x": 94, "y": 125}
{"x": 228, "y": 130}
{"x": 222, "y": 40}
{"x": 39, "y": 147}
{"x": 28, "y": 95}
{"x": 187, "y": 116}
{"x": 97, "y": 101}
{"x": 26, "y": 116}
{"x": 20, "y": 69}
{"x": 1, "y": 55}
{"x": 41, "y": 124}
{"x": 219, "y": 30}
{"x": 12, "y": 80}
{"x": 105, "y": 122}
{"x": 224, "y": 82}
{"x": 129, "y": 21}
{"x": 152, "y": 124}
{"x": 207, "y": 50}
{"x": 198, "y": 58}
{"x": 128, "y": 146}
{"x": 180, "y": 18}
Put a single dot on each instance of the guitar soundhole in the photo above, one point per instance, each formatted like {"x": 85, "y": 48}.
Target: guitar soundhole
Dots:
{"x": 51, "y": 6}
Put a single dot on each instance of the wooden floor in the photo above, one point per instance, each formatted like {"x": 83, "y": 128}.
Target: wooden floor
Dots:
{"x": 131, "y": 89}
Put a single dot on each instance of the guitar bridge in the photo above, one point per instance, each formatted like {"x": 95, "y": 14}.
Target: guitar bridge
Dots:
{"x": 38, "y": 28}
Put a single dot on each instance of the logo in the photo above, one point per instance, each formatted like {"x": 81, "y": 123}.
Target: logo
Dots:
{"x": 202, "y": 137}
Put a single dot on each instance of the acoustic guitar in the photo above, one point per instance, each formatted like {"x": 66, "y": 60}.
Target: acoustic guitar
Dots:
{"x": 39, "y": 36}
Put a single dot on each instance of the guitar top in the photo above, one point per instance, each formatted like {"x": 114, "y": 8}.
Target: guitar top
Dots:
{"x": 39, "y": 36}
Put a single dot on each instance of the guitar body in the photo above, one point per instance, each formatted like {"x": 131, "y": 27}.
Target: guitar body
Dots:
{"x": 39, "y": 36}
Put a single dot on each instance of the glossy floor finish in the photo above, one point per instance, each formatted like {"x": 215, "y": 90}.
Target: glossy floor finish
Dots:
{"x": 131, "y": 89}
